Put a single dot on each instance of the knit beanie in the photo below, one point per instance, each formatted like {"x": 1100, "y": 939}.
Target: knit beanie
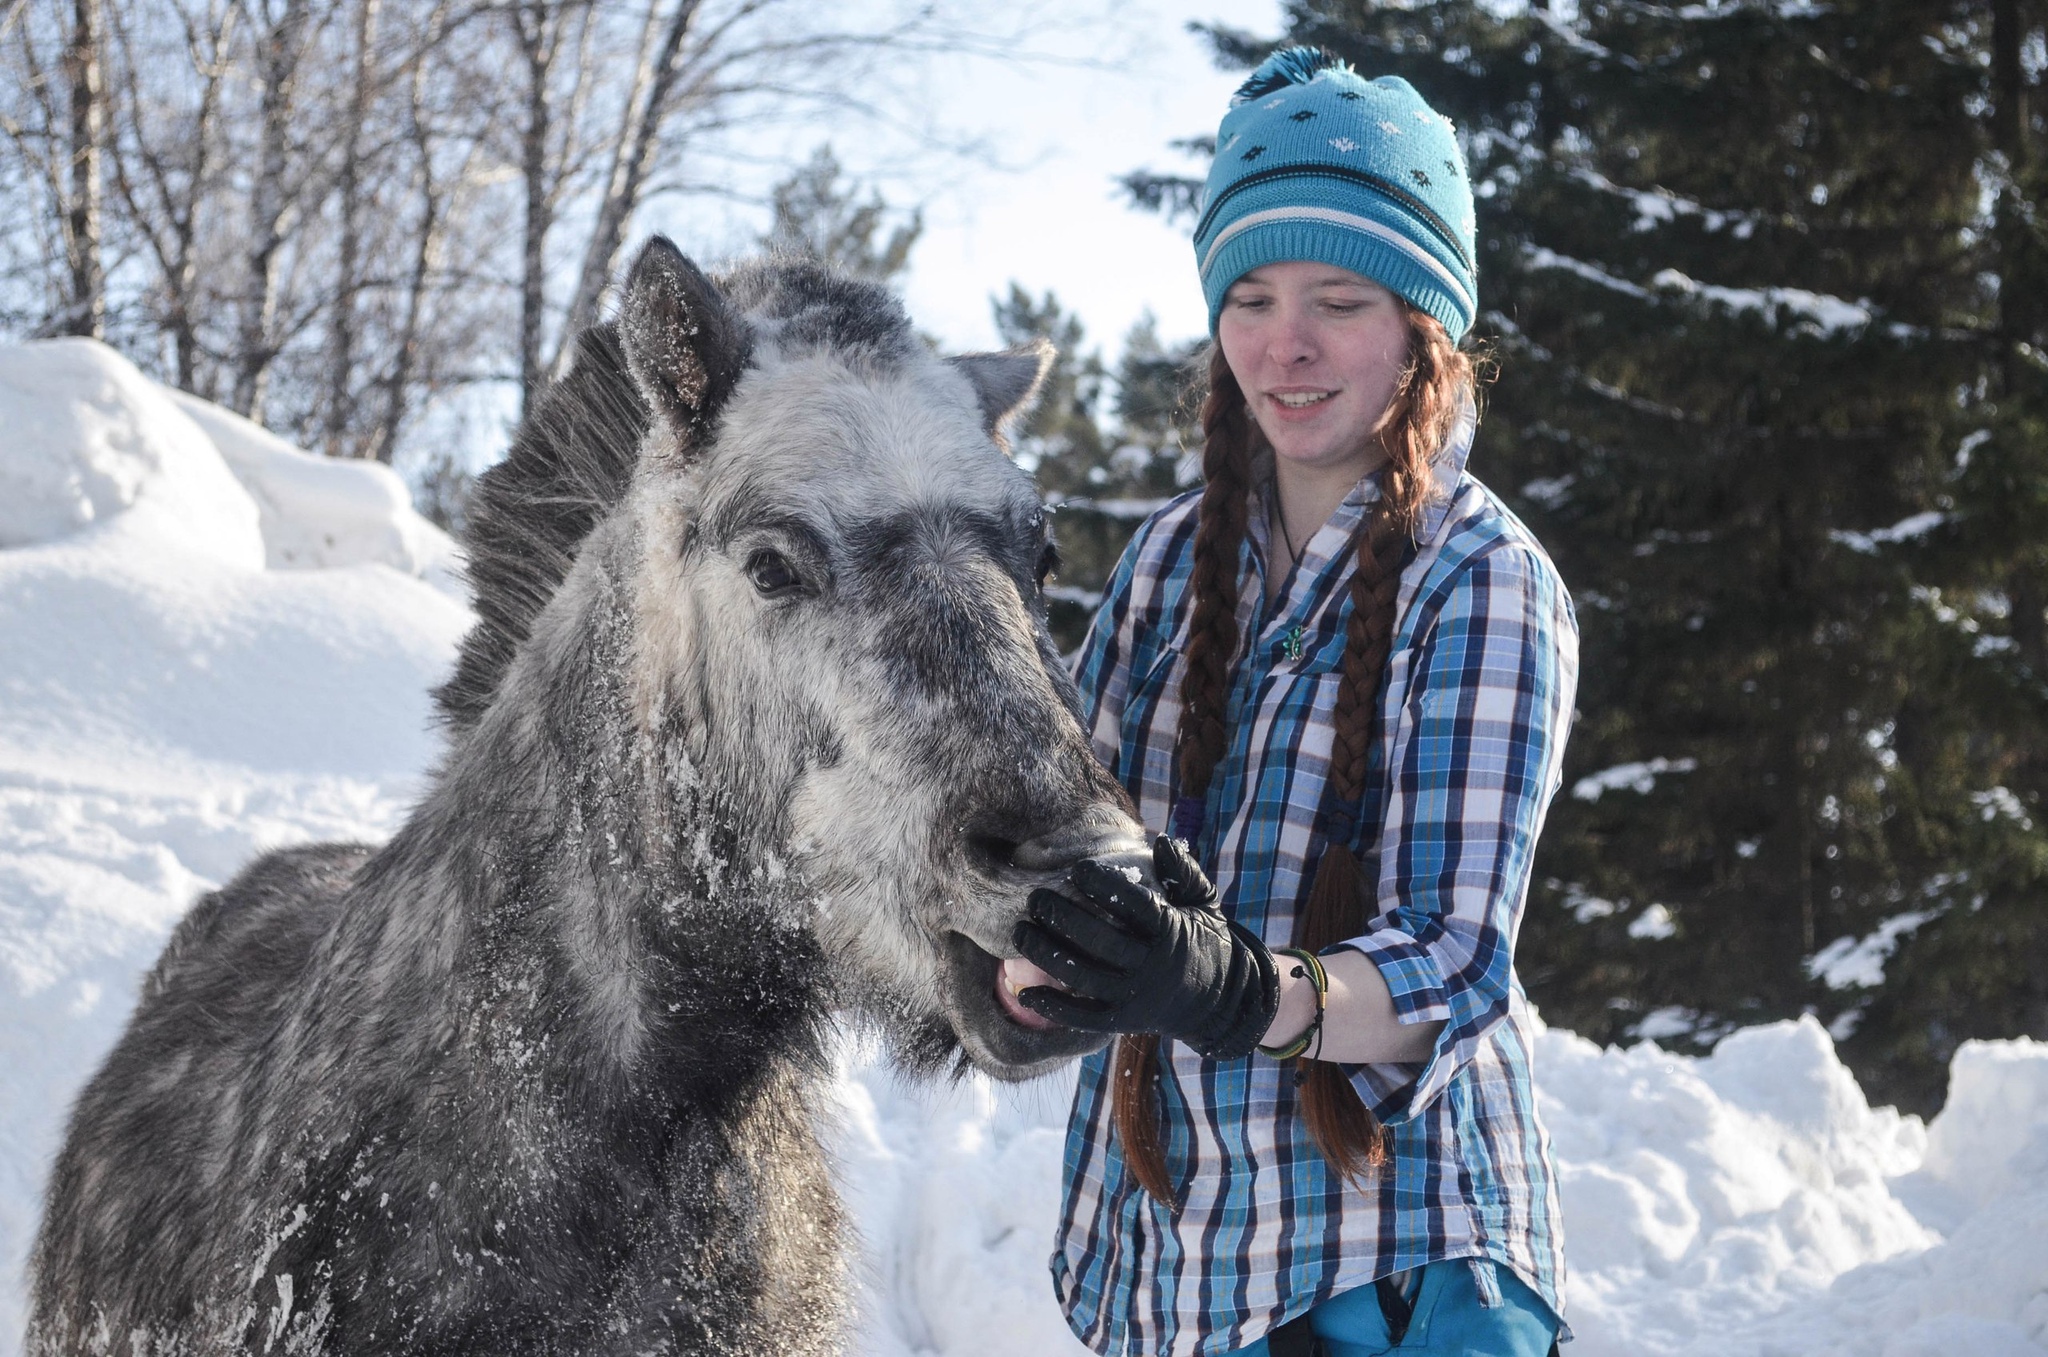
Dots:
{"x": 1315, "y": 162}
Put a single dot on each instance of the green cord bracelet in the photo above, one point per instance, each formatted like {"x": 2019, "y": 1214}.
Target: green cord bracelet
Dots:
{"x": 1311, "y": 967}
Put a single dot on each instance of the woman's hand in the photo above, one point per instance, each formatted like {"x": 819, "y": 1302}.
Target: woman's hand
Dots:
{"x": 1132, "y": 959}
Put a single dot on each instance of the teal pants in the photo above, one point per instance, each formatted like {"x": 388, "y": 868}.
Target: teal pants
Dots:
{"x": 1450, "y": 1319}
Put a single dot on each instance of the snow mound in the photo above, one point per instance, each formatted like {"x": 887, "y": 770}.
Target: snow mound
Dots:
{"x": 318, "y": 512}
{"x": 1983, "y": 1182}
{"x": 955, "y": 1189}
{"x": 1748, "y": 1204}
{"x": 89, "y": 440}
{"x": 1991, "y": 1140}
{"x": 1700, "y": 1191}
{"x": 170, "y": 708}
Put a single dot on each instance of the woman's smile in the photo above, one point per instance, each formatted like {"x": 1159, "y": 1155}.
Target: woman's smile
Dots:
{"x": 1296, "y": 402}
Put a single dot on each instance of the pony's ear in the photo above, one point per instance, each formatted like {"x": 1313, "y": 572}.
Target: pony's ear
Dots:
{"x": 685, "y": 347}
{"x": 1006, "y": 383}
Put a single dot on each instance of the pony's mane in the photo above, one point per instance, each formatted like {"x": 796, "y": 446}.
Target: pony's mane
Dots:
{"x": 573, "y": 458}
{"x": 570, "y": 463}
{"x": 814, "y": 306}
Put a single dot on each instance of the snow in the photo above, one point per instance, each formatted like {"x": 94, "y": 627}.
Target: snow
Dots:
{"x": 1793, "y": 309}
{"x": 1543, "y": 257}
{"x": 1996, "y": 801}
{"x": 193, "y": 672}
{"x": 318, "y": 512}
{"x": 1635, "y": 777}
{"x": 1549, "y": 491}
{"x": 1810, "y": 312}
{"x": 1972, "y": 441}
{"x": 1850, "y": 962}
{"x": 91, "y": 441}
{"x": 1654, "y": 923}
{"x": 1905, "y": 530}
{"x": 1660, "y": 206}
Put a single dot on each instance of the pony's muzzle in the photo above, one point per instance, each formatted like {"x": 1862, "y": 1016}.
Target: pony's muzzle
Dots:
{"x": 1099, "y": 832}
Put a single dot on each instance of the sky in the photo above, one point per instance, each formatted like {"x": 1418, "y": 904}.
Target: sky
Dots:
{"x": 1059, "y": 221}
{"x": 1013, "y": 162}
{"x": 1101, "y": 88}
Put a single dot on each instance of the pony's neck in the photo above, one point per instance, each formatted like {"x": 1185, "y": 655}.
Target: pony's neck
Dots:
{"x": 631, "y": 928}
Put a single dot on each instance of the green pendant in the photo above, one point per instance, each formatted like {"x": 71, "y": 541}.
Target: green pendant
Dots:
{"x": 1290, "y": 646}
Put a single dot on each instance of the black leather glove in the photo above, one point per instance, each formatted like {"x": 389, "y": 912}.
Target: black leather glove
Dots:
{"x": 1134, "y": 960}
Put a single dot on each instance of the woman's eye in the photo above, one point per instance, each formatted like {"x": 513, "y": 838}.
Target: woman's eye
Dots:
{"x": 1048, "y": 565}
{"x": 771, "y": 573}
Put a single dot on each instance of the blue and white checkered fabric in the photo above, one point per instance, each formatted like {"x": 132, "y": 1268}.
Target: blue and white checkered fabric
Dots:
{"x": 1473, "y": 718}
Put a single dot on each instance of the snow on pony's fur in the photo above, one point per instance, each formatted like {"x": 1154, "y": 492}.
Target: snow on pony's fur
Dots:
{"x": 760, "y": 718}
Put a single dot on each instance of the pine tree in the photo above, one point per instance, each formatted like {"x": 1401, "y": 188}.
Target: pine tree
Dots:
{"x": 1101, "y": 481}
{"x": 1765, "y": 280}
{"x": 816, "y": 214}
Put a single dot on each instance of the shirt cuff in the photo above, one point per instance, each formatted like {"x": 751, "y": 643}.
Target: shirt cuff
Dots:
{"x": 1394, "y": 1092}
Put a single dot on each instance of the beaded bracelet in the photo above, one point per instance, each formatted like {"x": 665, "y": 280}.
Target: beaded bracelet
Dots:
{"x": 1310, "y": 966}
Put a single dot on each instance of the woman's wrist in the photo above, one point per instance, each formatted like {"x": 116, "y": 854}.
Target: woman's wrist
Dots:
{"x": 1360, "y": 1024}
{"x": 1297, "y": 1006}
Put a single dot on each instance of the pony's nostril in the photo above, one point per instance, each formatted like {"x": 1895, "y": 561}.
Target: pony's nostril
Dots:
{"x": 992, "y": 850}
{"x": 1099, "y": 832}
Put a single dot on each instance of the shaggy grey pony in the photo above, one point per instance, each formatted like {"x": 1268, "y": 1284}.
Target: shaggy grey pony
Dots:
{"x": 760, "y": 721}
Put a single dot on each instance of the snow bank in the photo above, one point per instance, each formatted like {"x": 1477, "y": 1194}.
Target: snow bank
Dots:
{"x": 88, "y": 440}
{"x": 1749, "y": 1203}
{"x": 318, "y": 512}
{"x": 955, "y": 1189}
{"x": 170, "y": 707}
{"x": 1698, "y": 1192}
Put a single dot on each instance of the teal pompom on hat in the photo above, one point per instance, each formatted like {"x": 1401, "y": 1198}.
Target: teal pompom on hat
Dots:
{"x": 1315, "y": 162}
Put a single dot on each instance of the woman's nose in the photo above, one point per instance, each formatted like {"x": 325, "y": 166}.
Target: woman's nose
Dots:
{"x": 1293, "y": 342}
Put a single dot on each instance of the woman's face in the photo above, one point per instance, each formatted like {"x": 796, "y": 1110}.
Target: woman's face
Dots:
{"x": 1319, "y": 351}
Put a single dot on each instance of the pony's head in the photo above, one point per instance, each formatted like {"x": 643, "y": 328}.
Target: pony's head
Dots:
{"x": 833, "y": 578}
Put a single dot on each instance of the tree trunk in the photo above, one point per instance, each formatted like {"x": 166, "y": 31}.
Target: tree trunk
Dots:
{"x": 85, "y": 306}
{"x": 162, "y": 209}
{"x": 278, "y": 52}
{"x": 539, "y": 28}
{"x": 382, "y": 440}
{"x": 341, "y": 342}
{"x": 632, "y": 157}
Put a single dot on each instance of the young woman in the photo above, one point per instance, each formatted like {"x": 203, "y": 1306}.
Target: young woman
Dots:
{"x": 1343, "y": 674}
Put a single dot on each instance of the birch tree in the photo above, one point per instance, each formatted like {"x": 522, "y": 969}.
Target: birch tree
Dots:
{"x": 283, "y": 31}
{"x": 86, "y": 301}
{"x": 56, "y": 125}
{"x": 165, "y": 160}
{"x": 306, "y": 203}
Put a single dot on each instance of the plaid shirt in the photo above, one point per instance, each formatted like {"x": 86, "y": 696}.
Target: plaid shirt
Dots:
{"x": 1472, "y": 721}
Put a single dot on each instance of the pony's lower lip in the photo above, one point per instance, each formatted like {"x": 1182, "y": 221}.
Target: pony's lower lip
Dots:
{"x": 1014, "y": 975}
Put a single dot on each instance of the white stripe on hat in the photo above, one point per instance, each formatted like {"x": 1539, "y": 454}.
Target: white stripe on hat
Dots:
{"x": 1366, "y": 225}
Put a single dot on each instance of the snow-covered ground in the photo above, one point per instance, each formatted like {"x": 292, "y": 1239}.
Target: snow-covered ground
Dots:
{"x": 212, "y": 644}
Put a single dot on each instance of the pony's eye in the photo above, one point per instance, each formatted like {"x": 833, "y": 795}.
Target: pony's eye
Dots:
{"x": 1048, "y": 565}
{"x": 772, "y": 574}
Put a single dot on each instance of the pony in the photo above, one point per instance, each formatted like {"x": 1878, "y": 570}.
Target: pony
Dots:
{"x": 760, "y": 723}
